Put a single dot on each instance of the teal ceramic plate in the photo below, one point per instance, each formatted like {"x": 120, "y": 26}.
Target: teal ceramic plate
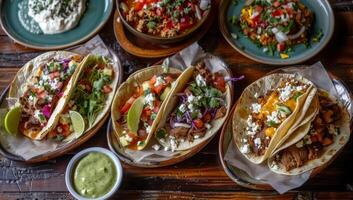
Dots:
{"x": 95, "y": 16}
{"x": 324, "y": 21}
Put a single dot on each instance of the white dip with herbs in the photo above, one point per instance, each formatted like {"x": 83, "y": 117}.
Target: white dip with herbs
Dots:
{"x": 56, "y": 16}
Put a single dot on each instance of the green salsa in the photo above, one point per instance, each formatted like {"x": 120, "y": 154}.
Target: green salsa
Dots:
{"x": 94, "y": 175}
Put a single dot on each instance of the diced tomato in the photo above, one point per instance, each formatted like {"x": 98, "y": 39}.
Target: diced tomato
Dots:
{"x": 139, "y": 5}
{"x": 157, "y": 103}
{"x": 147, "y": 112}
{"x": 42, "y": 95}
{"x": 158, "y": 89}
{"x": 159, "y": 11}
{"x": 155, "y": 109}
{"x": 220, "y": 83}
{"x": 66, "y": 129}
{"x": 170, "y": 24}
{"x": 277, "y": 13}
{"x": 127, "y": 105}
{"x": 107, "y": 89}
{"x": 276, "y": 4}
{"x": 198, "y": 123}
{"x": 185, "y": 23}
{"x": 281, "y": 46}
{"x": 153, "y": 80}
{"x": 258, "y": 8}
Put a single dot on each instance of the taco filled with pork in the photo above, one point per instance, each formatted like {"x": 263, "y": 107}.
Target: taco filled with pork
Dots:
{"x": 91, "y": 97}
{"x": 195, "y": 110}
{"x": 266, "y": 111}
{"x": 49, "y": 79}
{"x": 316, "y": 142}
{"x": 139, "y": 103}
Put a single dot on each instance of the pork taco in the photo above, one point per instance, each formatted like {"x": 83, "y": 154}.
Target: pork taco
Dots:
{"x": 91, "y": 97}
{"x": 49, "y": 79}
{"x": 266, "y": 111}
{"x": 195, "y": 110}
{"x": 316, "y": 142}
{"x": 139, "y": 103}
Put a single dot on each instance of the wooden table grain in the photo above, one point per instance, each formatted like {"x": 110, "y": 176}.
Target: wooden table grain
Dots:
{"x": 200, "y": 177}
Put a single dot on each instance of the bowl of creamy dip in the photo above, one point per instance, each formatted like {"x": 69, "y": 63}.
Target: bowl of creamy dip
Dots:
{"x": 94, "y": 173}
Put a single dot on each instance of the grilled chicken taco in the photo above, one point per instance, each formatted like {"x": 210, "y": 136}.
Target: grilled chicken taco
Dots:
{"x": 195, "y": 110}
{"x": 49, "y": 81}
{"x": 91, "y": 97}
{"x": 139, "y": 103}
{"x": 316, "y": 142}
{"x": 266, "y": 111}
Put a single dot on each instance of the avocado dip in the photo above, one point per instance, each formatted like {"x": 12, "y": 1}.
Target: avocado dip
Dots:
{"x": 95, "y": 175}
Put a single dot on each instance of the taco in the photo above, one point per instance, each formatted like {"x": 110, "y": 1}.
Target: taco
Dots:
{"x": 139, "y": 103}
{"x": 266, "y": 111}
{"x": 195, "y": 110}
{"x": 316, "y": 142}
{"x": 49, "y": 81}
{"x": 91, "y": 97}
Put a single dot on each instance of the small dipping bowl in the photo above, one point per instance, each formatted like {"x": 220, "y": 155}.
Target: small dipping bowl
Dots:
{"x": 70, "y": 170}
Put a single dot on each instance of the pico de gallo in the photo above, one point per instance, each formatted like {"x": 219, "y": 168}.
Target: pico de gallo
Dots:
{"x": 277, "y": 25}
{"x": 44, "y": 91}
{"x": 164, "y": 18}
{"x": 88, "y": 98}
{"x": 146, "y": 102}
{"x": 201, "y": 102}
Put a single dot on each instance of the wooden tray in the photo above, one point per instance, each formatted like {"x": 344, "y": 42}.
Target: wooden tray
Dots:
{"x": 242, "y": 178}
{"x": 69, "y": 146}
{"x": 141, "y": 48}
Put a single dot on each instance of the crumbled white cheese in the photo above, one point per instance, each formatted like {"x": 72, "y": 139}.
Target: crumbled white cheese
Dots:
{"x": 148, "y": 129}
{"x": 252, "y": 127}
{"x": 166, "y": 148}
{"x": 256, "y": 95}
{"x": 257, "y": 142}
{"x": 273, "y": 117}
{"x": 159, "y": 81}
{"x": 208, "y": 126}
{"x": 245, "y": 148}
{"x": 156, "y": 147}
{"x": 149, "y": 100}
{"x": 191, "y": 99}
{"x": 182, "y": 108}
{"x": 285, "y": 93}
{"x": 196, "y": 136}
{"x": 332, "y": 129}
{"x": 255, "y": 107}
{"x": 274, "y": 165}
{"x": 200, "y": 81}
{"x": 173, "y": 144}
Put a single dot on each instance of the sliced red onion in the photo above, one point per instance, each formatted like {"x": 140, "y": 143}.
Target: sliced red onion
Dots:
{"x": 198, "y": 13}
{"x": 46, "y": 110}
{"x": 234, "y": 79}
{"x": 281, "y": 37}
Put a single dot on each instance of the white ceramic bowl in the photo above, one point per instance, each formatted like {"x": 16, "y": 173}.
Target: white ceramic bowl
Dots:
{"x": 73, "y": 162}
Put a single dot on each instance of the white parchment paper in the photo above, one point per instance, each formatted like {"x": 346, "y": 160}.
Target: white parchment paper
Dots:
{"x": 283, "y": 183}
{"x": 22, "y": 146}
{"x": 185, "y": 58}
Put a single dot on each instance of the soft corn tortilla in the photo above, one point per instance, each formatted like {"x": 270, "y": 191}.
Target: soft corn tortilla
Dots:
{"x": 173, "y": 102}
{"x": 18, "y": 87}
{"x": 329, "y": 152}
{"x": 261, "y": 87}
{"x": 89, "y": 61}
{"x": 128, "y": 88}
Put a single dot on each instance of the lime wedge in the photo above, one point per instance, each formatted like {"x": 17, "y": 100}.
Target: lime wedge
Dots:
{"x": 78, "y": 123}
{"x": 134, "y": 114}
{"x": 12, "y": 120}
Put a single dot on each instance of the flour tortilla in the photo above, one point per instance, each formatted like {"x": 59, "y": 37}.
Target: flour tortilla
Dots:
{"x": 182, "y": 82}
{"x": 329, "y": 152}
{"x": 243, "y": 110}
{"x": 128, "y": 88}
{"x": 22, "y": 79}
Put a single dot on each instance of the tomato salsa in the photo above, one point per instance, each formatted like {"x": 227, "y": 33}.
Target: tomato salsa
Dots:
{"x": 164, "y": 18}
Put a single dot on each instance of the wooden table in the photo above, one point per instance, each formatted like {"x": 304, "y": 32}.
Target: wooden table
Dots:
{"x": 202, "y": 175}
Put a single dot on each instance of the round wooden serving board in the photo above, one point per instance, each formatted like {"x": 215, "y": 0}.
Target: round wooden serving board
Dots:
{"x": 142, "y": 48}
